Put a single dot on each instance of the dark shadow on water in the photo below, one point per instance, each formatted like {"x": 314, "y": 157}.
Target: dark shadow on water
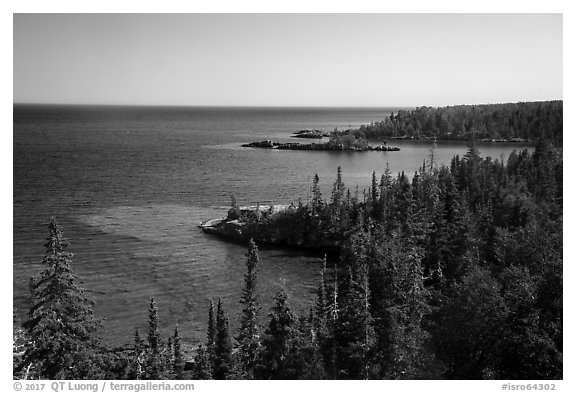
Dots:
{"x": 281, "y": 251}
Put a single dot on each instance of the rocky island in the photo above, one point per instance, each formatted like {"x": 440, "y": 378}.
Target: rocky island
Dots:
{"x": 268, "y": 144}
{"x": 311, "y": 134}
{"x": 335, "y": 143}
{"x": 334, "y": 147}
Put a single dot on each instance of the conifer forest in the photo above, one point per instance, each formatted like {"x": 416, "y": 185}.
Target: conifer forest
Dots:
{"x": 452, "y": 272}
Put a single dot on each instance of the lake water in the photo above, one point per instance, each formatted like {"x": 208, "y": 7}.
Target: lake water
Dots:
{"x": 130, "y": 185}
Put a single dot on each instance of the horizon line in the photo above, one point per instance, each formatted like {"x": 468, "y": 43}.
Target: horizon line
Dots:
{"x": 210, "y": 105}
{"x": 265, "y": 106}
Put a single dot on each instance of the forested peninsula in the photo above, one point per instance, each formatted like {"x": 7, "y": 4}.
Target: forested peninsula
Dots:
{"x": 513, "y": 122}
{"x": 454, "y": 272}
{"x": 524, "y": 122}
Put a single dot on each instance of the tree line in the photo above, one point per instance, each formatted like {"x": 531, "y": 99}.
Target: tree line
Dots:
{"x": 526, "y": 120}
{"x": 454, "y": 274}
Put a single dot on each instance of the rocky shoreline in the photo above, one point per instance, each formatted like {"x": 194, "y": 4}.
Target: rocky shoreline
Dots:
{"x": 266, "y": 224}
{"x": 268, "y": 144}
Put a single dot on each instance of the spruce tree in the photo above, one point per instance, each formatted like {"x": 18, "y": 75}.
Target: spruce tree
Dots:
{"x": 353, "y": 334}
{"x": 303, "y": 360}
{"x": 211, "y": 336}
{"x": 400, "y": 337}
{"x": 223, "y": 363}
{"x": 384, "y": 205}
{"x": 338, "y": 189}
{"x": 60, "y": 323}
{"x": 154, "y": 360}
{"x": 153, "y": 330}
{"x": 276, "y": 343}
{"x": 401, "y": 201}
{"x": 249, "y": 336}
{"x": 178, "y": 361}
{"x": 317, "y": 201}
{"x": 374, "y": 190}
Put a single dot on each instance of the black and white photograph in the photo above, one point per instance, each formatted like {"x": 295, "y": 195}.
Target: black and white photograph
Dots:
{"x": 287, "y": 196}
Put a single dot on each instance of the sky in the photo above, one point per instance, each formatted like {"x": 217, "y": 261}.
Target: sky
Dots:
{"x": 287, "y": 59}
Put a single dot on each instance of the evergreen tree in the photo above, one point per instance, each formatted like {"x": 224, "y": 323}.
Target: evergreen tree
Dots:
{"x": 60, "y": 325}
{"x": 154, "y": 364}
{"x": 374, "y": 189}
{"x": 178, "y": 362}
{"x": 412, "y": 359}
{"x": 223, "y": 363}
{"x": 153, "y": 328}
{"x": 401, "y": 202}
{"x": 353, "y": 333}
{"x": 303, "y": 360}
{"x": 249, "y": 337}
{"x": 338, "y": 190}
{"x": 317, "y": 201}
{"x": 211, "y": 328}
{"x": 400, "y": 346}
{"x": 276, "y": 343}
{"x": 384, "y": 204}
{"x": 449, "y": 244}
